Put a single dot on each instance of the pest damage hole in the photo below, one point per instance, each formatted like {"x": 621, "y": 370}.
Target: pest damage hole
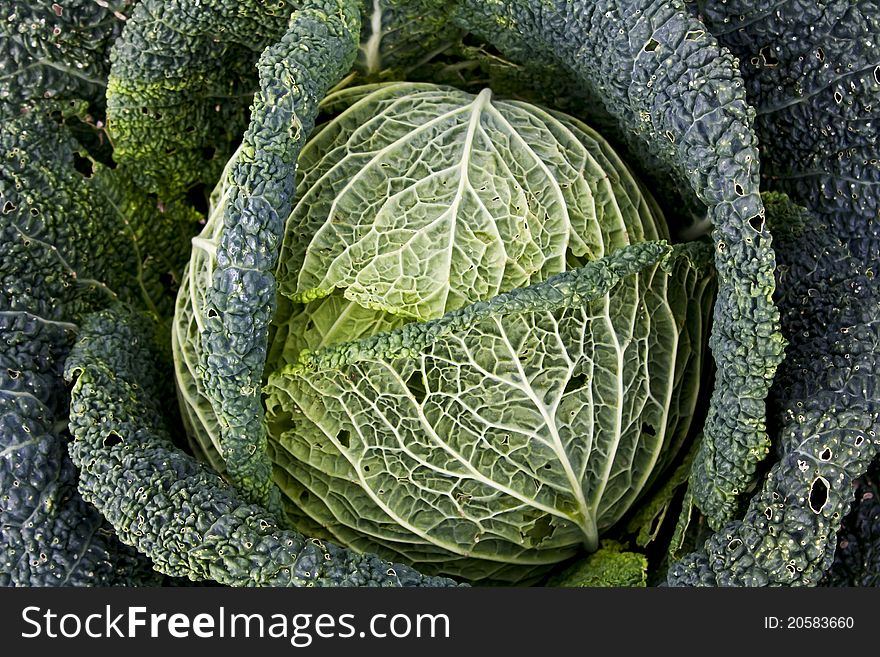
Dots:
{"x": 652, "y": 45}
{"x": 575, "y": 383}
{"x": 648, "y": 430}
{"x": 343, "y": 437}
{"x": 83, "y": 165}
{"x": 112, "y": 439}
{"x": 168, "y": 282}
{"x": 738, "y": 189}
{"x": 818, "y": 494}
{"x": 768, "y": 59}
{"x": 877, "y": 74}
{"x": 542, "y": 529}
{"x": 825, "y": 455}
{"x": 197, "y": 196}
{"x": 416, "y": 387}
{"x": 757, "y": 223}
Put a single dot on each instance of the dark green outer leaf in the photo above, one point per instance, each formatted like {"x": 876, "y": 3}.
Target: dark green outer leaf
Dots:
{"x": 665, "y": 79}
{"x": 827, "y": 404}
{"x": 65, "y": 251}
{"x": 179, "y": 512}
{"x": 56, "y": 50}
{"x": 812, "y": 71}
{"x": 295, "y": 74}
{"x": 857, "y": 559}
{"x": 181, "y": 79}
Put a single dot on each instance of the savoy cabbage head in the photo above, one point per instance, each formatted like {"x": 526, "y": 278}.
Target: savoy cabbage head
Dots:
{"x": 447, "y": 382}
{"x": 482, "y": 287}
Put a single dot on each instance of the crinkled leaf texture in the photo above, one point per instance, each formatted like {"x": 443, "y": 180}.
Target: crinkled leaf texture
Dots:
{"x": 180, "y": 513}
{"x": 812, "y": 72}
{"x": 610, "y": 566}
{"x": 295, "y": 73}
{"x": 665, "y": 80}
{"x": 58, "y": 52}
{"x": 826, "y": 406}
{"x": 415, "y": 201}
{"x": 183, "y": 73}
{"x": 505, "y": 436}
{"x": 76, "y": 237}
{"x": 181, "y": 78}
{"x": 857, "y": 558}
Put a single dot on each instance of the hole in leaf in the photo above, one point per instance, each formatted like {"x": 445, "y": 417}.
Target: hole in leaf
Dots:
{"x": 859, "y": 440}
{"x": 366, "y": 468}
{"x": 738, "y": 189}
{"x": 825, "y": 455}
{"x": 818, "y": 494}
{"x": 540, "y": 530}
{"x": 820, "y": 54}
{"x": 757, "y": 223}
{"x": 838, "y": 97}
{"x": 877, "y": 74}
{"x": 212, "y": 313}
{"x": 8, "y": 207}
{"x": 652, "y": 45}
{"x": 474, "y": 41}
{"x": 416, "y": 387}
{"x": 768, "y": 59}
{"x": 169, "y": 284}
{"x": 693, "y": 35}
{"x": 575, "y": 383}
{"x": 112, "y": 439}
{"x": 648, "y": 430}
{"x": 83, "y": 165}
{"x": 343, "y": 437}
{"x": 197, "y": 197}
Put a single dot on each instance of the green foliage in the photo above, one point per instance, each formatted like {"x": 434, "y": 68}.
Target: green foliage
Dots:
{"x": 75, "y": 238}
{"x": 638, "y": 77}
{"x": 827, "y": 408}
{"x": 609, "y": 566}
{"x": 182, "y": 515}
{"x": 857, "y": 558}
{"x": 482, "y": 444}
{"x": 817, "y": 101}
{"x": 430, "y": 317}
{"x": 57, "y": 52}
{"x": 476, "y": 197}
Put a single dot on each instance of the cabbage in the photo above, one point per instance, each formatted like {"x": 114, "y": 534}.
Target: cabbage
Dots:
{"x": 484, "y": 351}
